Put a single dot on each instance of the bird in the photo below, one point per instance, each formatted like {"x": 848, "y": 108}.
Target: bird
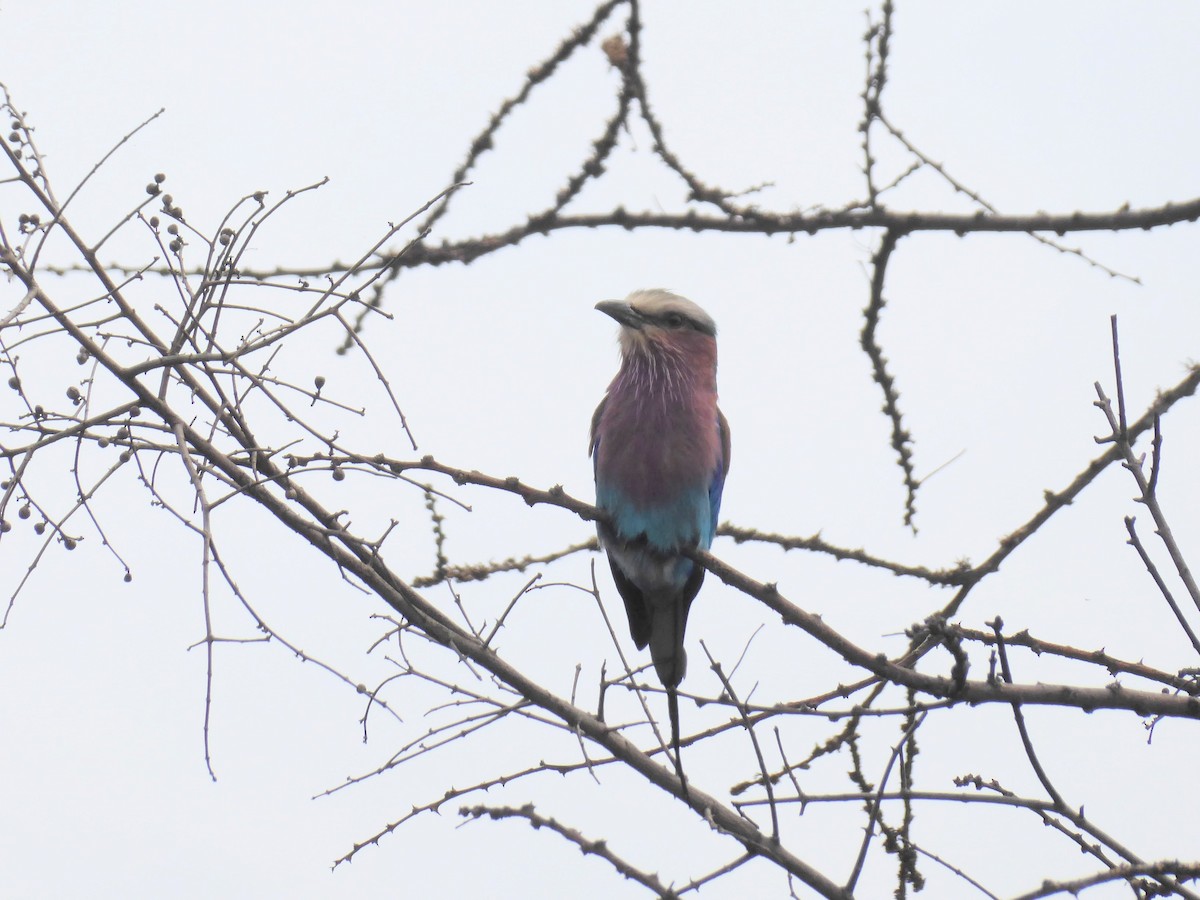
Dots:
{"x": 660, "y": 451}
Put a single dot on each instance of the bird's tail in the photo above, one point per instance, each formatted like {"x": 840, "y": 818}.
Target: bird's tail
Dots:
{"x": 673, "y": 712}
{"x": 667, "y": 621}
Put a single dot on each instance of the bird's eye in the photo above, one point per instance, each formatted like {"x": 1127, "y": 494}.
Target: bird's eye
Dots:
{"x": 673, "y": 320}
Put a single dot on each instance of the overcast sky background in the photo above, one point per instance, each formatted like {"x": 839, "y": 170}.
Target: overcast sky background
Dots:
{"x": 995, "y": 342}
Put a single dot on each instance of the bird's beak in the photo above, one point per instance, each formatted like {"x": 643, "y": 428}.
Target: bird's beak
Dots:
{"x": 622, "y": 312}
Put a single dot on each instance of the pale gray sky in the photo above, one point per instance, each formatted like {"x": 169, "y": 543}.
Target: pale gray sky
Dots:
{"x": 995, "y": 342}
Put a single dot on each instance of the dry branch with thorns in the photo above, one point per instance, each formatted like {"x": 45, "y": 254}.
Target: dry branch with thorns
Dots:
{"x": 187, "y": 385}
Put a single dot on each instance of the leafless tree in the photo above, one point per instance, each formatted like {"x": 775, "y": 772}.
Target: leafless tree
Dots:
{"x": 193, "y": 383}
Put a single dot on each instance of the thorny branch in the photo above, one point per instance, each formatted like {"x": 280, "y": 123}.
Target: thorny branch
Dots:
{"x": 204, "y": 380}
{"x": 587, "y": 847}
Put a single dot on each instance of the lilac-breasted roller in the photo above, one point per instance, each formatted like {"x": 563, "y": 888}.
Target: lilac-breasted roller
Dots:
{"x": 660, "y": 451}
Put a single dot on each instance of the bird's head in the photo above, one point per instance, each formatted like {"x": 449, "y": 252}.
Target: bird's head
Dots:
{"x": 657, "y": 321}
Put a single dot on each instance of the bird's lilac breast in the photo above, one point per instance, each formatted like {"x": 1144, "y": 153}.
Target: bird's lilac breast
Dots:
{"x": 655, "y": 464}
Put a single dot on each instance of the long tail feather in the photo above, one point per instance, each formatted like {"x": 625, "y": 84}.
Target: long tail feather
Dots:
{"x": 668, "y": 617}
{"x": 673, "y": 712}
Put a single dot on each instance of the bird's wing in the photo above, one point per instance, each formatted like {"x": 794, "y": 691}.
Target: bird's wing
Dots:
{"x": 635, "y": 605}
{"x": 593, "y": 438}
{"x": 717, "y": 485}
